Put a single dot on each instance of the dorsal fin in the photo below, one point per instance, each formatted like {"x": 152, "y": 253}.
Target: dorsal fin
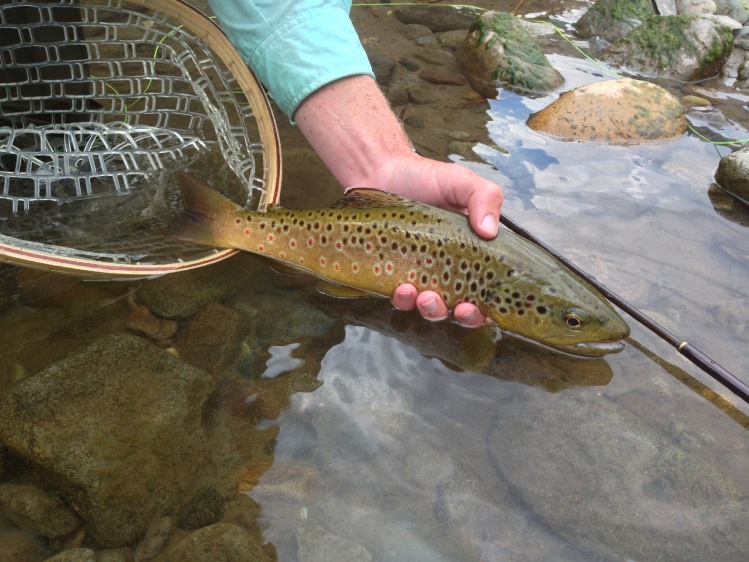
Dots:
{"x": 368, "y": 197}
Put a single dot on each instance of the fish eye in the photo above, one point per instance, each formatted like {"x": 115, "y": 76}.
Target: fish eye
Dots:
{"x": 573, "y": 318}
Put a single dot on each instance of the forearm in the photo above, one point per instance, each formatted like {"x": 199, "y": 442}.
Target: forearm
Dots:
{"x": 352, "y": 128}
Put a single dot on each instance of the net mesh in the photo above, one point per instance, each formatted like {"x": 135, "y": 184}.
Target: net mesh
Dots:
{"x": 101, "y": 102}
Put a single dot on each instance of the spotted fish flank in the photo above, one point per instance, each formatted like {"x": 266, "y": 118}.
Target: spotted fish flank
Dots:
{"x": 370, "y": 242}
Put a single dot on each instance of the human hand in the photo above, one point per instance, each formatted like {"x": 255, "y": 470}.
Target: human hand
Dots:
{"x": 452, "y": 187}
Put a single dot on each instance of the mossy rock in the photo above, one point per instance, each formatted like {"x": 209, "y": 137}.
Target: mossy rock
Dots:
{"x": 613, "y": 19}
{"x": 685, "y": 47}
{"x": 499, "y": 52}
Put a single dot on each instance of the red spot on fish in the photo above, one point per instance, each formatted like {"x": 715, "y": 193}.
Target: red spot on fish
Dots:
{"x": 246, "y": 231}
{"x": 301, "y": 260}
{"x": 377, "y": 269}
{"x": 323, "y": 262}
{"x": 368, "y": 247}
{"x": 412, "y": 275}
{"x": 428, "y": 262}
{"x": 339, "y": 246}
{"x": 310, "y": 242}
{"x": 337, "y": 266}
{"x": 292, "y": 244}
{"x": 271, "y": 238}
{"x": 261, "y": 248}
{"x": 355, "y": 267}
{"x": 389, "y": 268}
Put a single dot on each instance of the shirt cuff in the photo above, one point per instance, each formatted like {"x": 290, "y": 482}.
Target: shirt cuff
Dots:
{"x": 307, "y": 52}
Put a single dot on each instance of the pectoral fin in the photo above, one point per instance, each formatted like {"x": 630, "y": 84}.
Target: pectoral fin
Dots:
{"x": 340, "y": 291}
{"x": 479, "y": 346}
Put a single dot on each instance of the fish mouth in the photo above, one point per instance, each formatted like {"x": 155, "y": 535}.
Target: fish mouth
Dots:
{"x": 592, "y": 349}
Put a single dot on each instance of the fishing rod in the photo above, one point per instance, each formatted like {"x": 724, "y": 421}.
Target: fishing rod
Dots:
{"x": 697, "y": 357}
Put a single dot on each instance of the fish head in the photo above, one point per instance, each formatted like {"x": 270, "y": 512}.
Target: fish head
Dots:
{"x": 557, "y": 310}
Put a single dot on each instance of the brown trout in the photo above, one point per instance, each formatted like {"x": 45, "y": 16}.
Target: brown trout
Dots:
{"x": 370, "y": 242}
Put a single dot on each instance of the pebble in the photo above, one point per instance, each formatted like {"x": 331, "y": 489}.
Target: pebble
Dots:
{"x": 221, "y": 541}
{"x": 414, "y": 121}
{"x": 438, "y": 57}
{"x": 74, "y": 555}
{"x": 443, "y": 77}
{"x": 36, "y": 510}
{"x": 414, "y": 31}
{"x": 409, "y": 64}
{"x": 157, "y": 536}
{"x": 18, "y": 546}
{"x": 204, "y": 508}
{"x": 142, "y": 320}
{"x": 316, "y": 544}
{"x": 427, "y": 41}
{"x": 421, "y": 95}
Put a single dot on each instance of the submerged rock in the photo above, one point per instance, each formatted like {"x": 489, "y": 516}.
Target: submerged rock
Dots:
{"x": 318, "y": 545}
{"x": 36, "y": 510}
{"x": 613, "y": 111}
{"x": 685, "y": 47}
{"x": 498, "y": 51}
{"x": 221, "y": 541}
{"x": 438, "y": 18}
{"x": 613, "y": 19}
{"x": 733, "y": 174}
{"x": 117, "y": 428}
{"x": 600, "y": 477}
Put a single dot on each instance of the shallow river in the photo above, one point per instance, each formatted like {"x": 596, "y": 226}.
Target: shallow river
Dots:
{"x": 385, "y": 442}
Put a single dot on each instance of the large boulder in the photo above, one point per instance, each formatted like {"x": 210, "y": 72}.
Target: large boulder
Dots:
{"x": 619, "y": 112}
{"x": 685, "y": 47}
{"x": 499, "y": 52}
{"x": 733, "y": 174}
{"x": 117, "y": 429}
{"x": 613, "y": 19}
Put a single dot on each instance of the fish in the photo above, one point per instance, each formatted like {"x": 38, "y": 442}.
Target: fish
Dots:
{"x": 370, "y": 241}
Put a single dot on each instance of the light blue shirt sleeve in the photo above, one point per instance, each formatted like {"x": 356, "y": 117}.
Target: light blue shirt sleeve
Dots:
{"x": 294, "y": 46}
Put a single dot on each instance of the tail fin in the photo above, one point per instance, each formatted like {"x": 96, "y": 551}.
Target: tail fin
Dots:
{"x": 206, "y": 213}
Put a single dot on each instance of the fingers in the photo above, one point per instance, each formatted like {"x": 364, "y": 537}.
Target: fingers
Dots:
{"x": 468, "y": 315}
{"x": 484, "y": 201}
{"x": 405, "y": 297}
{"x": 433, "y": 308}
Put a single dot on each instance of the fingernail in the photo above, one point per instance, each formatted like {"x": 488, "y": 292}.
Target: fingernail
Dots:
{"x": 430, "y": 306}
{"x": 489, "y": 224}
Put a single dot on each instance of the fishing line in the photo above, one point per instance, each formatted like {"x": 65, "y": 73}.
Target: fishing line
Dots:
{"x": 697, "y": 357}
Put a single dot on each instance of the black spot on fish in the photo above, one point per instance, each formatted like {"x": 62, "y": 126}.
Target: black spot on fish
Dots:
{"x": 542, "y": 309}
{"x": 473, "y": 286}
{"x": 510, "y": 272}
{"x": 463, "y": 266}
{"x": 329, "y": 227}
{"x": 521, "y": 312}
{"x": 515, "y": 295}
{"x": 530, "y": 298}
{"x": 489, "y": 275}
{"x": 346, "y": 228}
{"x": 458, "y": 287}
{"x": 477, "y": 266}
{"x": 503, "y": 310}
{"x": 446, "y": 276}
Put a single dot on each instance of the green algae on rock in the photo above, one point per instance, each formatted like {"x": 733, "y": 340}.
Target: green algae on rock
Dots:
{"x": 685, "y": 47}
{"x": 613, "y": 19}
{"x": 500, "y": 52}
{"x": 618, "y": 112}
